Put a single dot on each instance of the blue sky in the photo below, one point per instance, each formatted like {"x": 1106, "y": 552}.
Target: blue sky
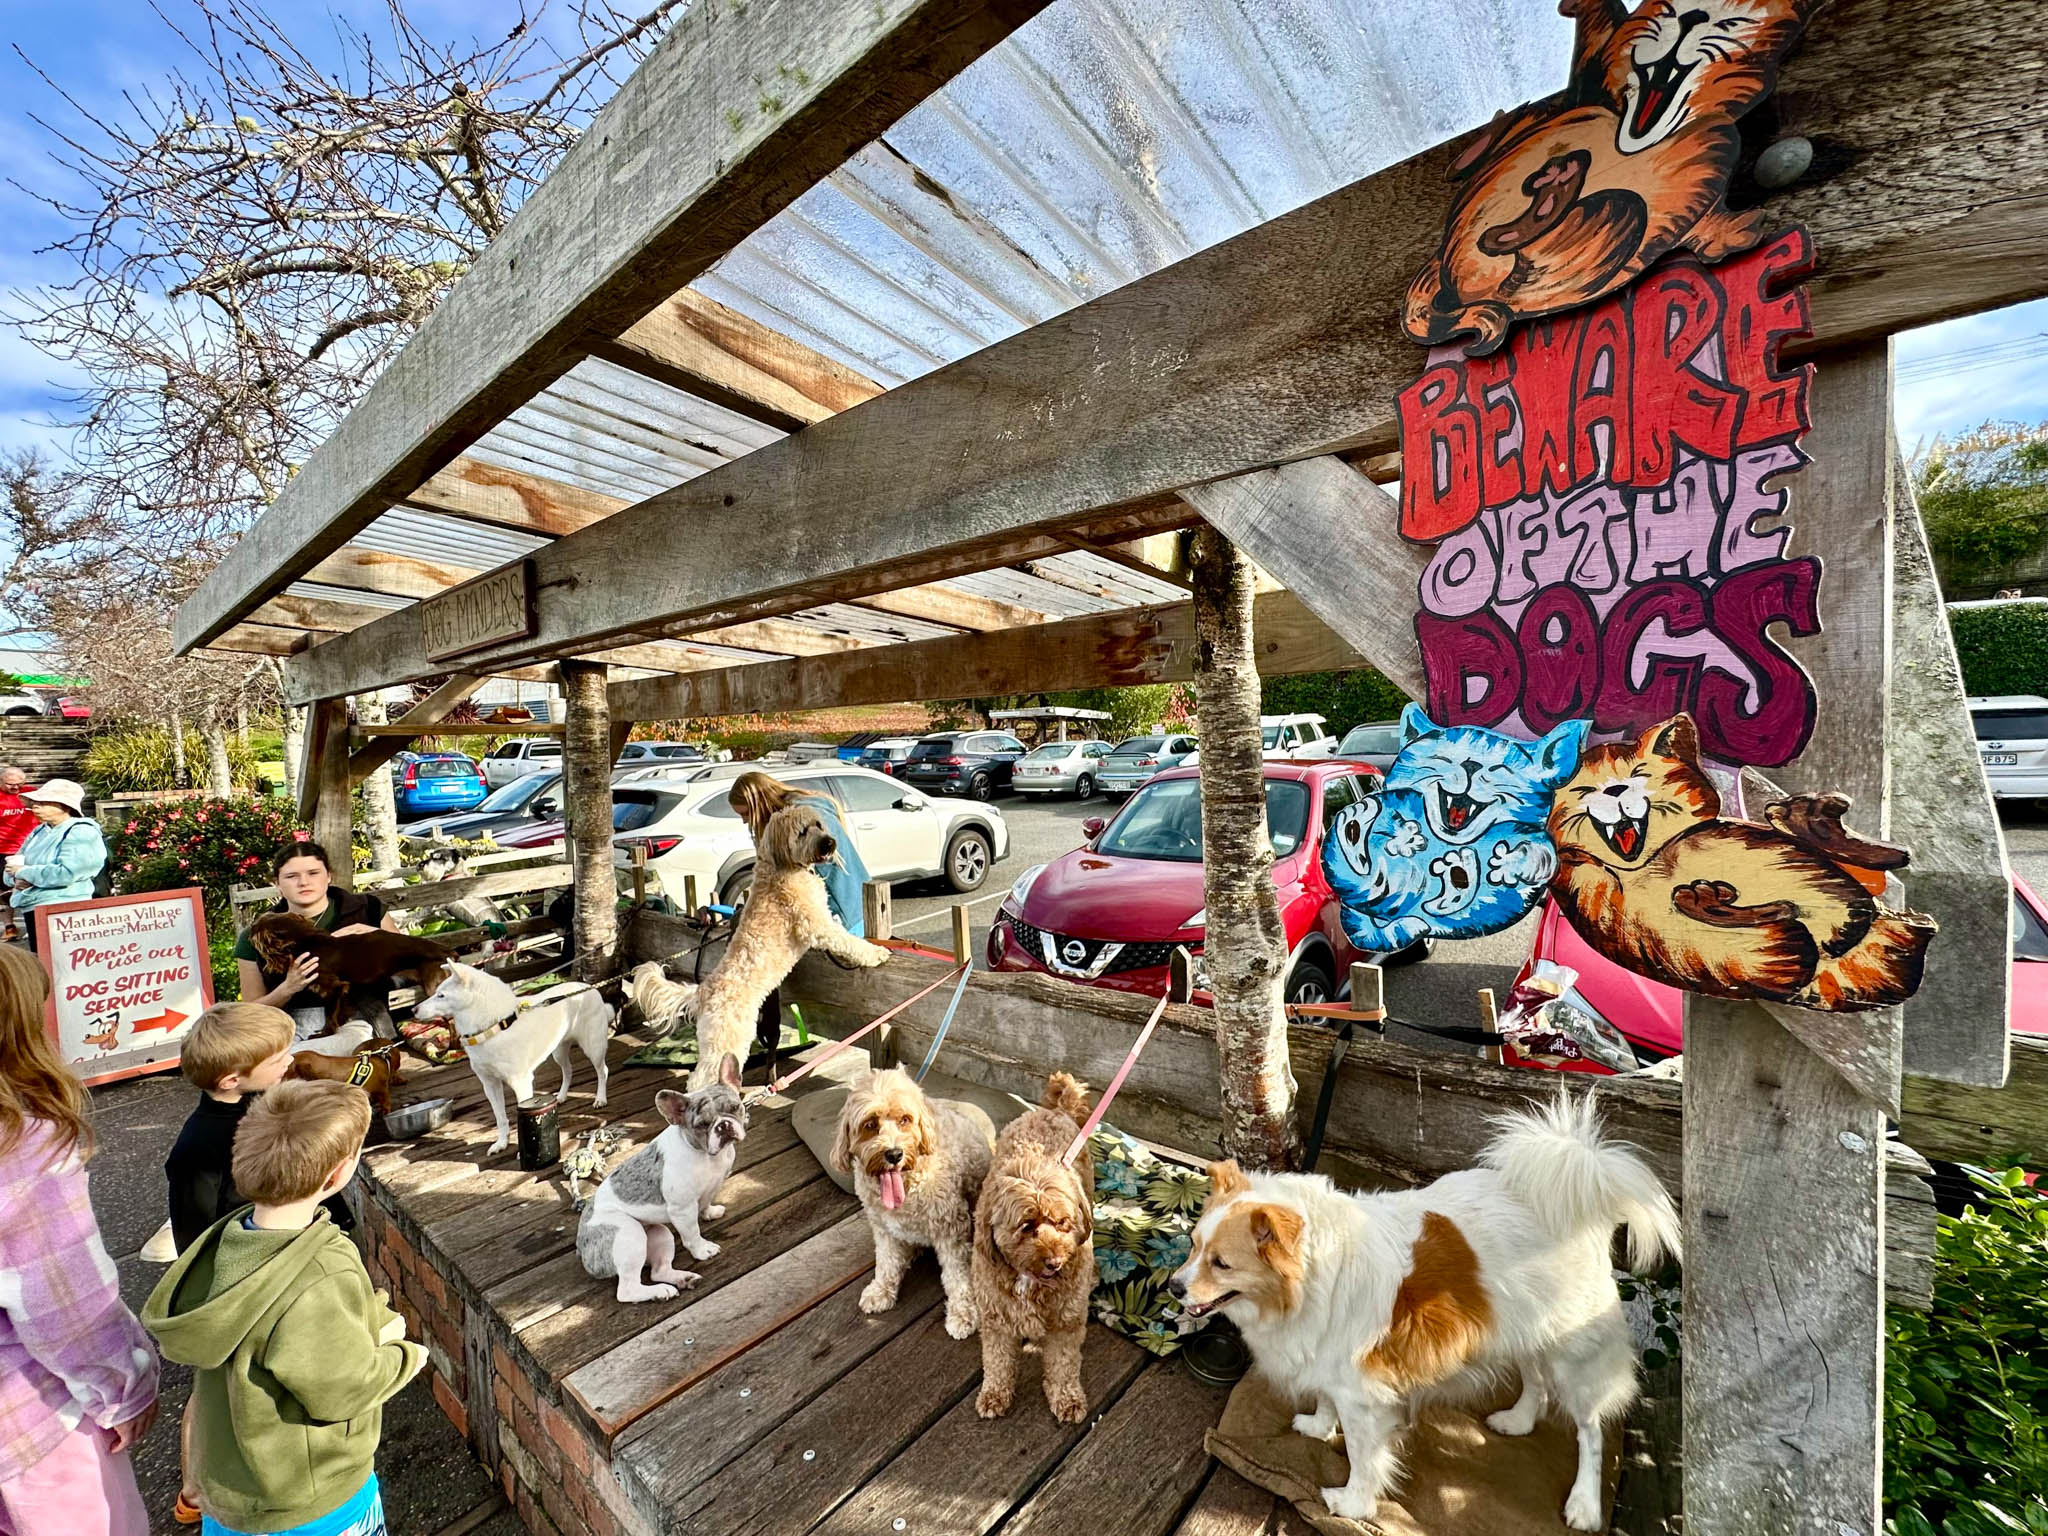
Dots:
{"x": 1952, "y": 376}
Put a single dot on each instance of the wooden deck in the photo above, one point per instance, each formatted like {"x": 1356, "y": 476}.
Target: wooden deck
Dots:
{"x": 760, "y": 1401}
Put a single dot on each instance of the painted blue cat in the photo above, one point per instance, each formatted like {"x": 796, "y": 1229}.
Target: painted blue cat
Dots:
{"x": 1454, "y": 845}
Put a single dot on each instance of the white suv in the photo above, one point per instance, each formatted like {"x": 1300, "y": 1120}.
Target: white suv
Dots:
{"x": 520, "y": 756}
{"x": 2012, "y": 740}
{"x": 1287, "y": 736}
{"x": 902, "y": 834}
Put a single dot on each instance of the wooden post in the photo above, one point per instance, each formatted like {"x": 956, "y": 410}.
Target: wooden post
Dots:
{"x": 875, "y": 911}
{"x": 329, "y": 814}
{"x": 639, "y": 875}
{"x": 963, "y": 947}
{"x": 587, "y": 799}
{"x": 690, "y": 894}
{"x": 1245, "y": 952}
{"x": 1368, "y": 987}
{"x": 1489, "y": 1020}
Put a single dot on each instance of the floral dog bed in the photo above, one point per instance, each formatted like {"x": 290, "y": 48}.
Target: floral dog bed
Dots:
{"x": 1145, "y": 1215}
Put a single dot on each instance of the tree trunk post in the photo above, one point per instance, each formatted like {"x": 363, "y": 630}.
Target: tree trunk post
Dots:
{"x": 380, "y": 800}
{"x": 587, "y": 794}
{"x": 220, "y": 773}
{"x": 180, "y": 776}
{"x": 1245, "y": 945}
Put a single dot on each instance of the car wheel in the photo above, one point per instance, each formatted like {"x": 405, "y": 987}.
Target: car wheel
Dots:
{"x": 968, "y": 857}
{"x": 734, "y": 892}
{"x": 1414, "y": 954}
{"x": 1084, "y": 787}
{"x": 981, "y": 787}
{"x": 1309, "y": 982}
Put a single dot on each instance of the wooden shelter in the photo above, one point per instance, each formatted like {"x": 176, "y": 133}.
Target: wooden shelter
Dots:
{"x": 867, "y": 352}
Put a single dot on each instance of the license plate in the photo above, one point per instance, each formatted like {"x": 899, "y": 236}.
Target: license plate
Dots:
{"x": 2001, "y": 759}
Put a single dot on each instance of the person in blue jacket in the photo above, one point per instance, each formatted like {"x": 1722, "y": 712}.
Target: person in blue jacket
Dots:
{"x": 757, "y": 796}
{"x": 62, "y": 857}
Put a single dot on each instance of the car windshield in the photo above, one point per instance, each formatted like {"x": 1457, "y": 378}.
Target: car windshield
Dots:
{"x": 1269, "y": 735}
{"x": 1164, "y": 821}
{"x": 514, "y": 796}
{"x": 1051, "y": 749}
{"x": 2010, "y": 724}
{"x": 445, "y": 768}
{"x": 941, "y": 746}
{"x": 1376, "y": 739}
{"x": 2029, "y": 937}
{"x": 1139, "y": 746}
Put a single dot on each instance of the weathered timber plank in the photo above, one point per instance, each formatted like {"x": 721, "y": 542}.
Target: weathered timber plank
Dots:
{"x": 1784, "y": 1299}
{"x": 1984, "y": 1126}
{"x": 438, "y": 893}
{"x": 377, "y": 570}
{"x": 330, "y": 615}
{"x": 580, "y": 1318}
{"x": 950, "y": 606}
{"x": 260, "y": 640}
{"x": 1229, "y": 1506}
{"x": 1171, "y": 381}
{"x": 1138, "y": 1469}
{"x": 690, "y": 1438}
{"x": 689, "y": 158}
{"x": 1134, "y": 645}
{"x": 510, "y": 498}
{"x": 856, "y": 1426}
{"x": 964, "y": 1474}
{"x": 432, "y": 710}
{"x": 617, "y": 1387}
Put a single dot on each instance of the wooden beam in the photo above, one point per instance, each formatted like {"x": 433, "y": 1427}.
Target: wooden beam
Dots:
{"x": 375, "y": 570}
{"x": 1132, "y": 645}
{"x": 689, "y": 158}
{"x": 260, "y": 640}
{"x": 405, "y": 729}
{"x": 1116, "y": 555}
{"x": 329, "y": 615}
{"x": 953, "y": 608}
{"x": 329, "y": 814}
{"x": 430, "y": 711}
{"x": 1281, "y": 344}
{"x": 511, "y": 498}
{"x": 718, "y": 354}
{"x": 1991, "y": 1127}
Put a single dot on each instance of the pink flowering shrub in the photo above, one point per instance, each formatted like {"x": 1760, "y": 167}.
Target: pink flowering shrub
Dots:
{"x": 213, "y": 844}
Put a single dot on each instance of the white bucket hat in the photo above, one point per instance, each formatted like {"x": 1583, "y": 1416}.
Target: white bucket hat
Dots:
{"x": 59, "y": 792}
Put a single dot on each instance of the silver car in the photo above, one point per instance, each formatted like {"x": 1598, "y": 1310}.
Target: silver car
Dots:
{"x": 1060, "y": 768}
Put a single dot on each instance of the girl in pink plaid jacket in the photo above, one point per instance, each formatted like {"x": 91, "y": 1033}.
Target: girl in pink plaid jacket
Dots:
{"x": 77, "y": 1373}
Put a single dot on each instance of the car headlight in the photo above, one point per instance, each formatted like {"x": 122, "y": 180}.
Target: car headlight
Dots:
{"x": 1199, "y": 920}
{"x": 1022, "y": 889}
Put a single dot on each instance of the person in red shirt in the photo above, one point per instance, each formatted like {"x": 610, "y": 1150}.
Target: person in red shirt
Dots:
{"x": 16, "y": 819}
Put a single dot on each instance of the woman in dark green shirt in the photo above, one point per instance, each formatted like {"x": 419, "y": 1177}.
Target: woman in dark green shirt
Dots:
{"x": 305, "y": 883}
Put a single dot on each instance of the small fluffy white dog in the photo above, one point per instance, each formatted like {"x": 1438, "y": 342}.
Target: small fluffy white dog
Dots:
{"x": 662, "y": 1002}
{"x": 1368, "y": 1306}
{"x": 785, "y": 915}
{"x": 659, "y": 1193}
{"x": 506, "y": 1043}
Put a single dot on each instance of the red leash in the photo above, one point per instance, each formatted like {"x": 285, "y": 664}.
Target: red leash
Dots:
{"x": 1177, "y": 990}
{"x": 812, "y": 1065}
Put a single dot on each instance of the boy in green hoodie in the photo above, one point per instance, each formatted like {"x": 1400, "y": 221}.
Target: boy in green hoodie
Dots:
{"x": 292, "y": 1353}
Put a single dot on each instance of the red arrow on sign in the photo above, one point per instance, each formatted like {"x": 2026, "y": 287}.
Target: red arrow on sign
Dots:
{"x": 168, "y": 1020}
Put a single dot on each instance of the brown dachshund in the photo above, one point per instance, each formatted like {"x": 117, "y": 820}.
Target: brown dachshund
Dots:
{"x": 373, "y": 1069}
{"x": 346, "y": 960}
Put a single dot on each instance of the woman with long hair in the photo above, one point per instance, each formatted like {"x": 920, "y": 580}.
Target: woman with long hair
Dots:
{"x": 77, "y": 1373}
{"x": 758, "y": 796}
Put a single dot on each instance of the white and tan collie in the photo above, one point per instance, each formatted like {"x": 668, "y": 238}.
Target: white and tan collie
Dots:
{"x": 1366, "y": 1307}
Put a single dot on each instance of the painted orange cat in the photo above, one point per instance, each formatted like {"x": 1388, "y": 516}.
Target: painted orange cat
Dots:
{"x": 1574, "y": 197}
{"x": 1654, "y": 878}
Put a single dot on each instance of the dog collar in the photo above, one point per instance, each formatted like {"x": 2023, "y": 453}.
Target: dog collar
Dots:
{"x": 489, "y": 1030}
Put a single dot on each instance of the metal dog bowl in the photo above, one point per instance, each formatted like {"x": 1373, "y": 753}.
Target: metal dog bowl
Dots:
{"x": 417, "y": 1119}
{"x": 1217, "y": 1356}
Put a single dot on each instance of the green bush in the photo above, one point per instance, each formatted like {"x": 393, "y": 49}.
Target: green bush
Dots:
{"x": 1966, "y": 1385}
{"x": 133, "y": 758}
{"x": 213, "y": 844}
{"x": 1344, "y": 699}
{"x": 2003, "y": 647}
{"x": 1132, "y": 711}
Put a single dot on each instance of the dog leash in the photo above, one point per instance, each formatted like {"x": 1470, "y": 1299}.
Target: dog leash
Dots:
{"x": 953, "y": 1007}
{"x": 1122, "y": 1072}
{"x": 777, "y": 1085}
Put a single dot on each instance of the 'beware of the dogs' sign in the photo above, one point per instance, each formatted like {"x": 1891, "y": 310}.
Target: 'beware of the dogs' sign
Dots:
{"x": 128, "y": 975}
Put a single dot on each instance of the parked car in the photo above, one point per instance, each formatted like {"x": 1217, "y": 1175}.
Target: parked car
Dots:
{"x": 73, "y": 709}
{"x": 634, "y": 805}
{"x": 855, "y": 747}
{"x": 901, "y": 833}
{"x": 886, "y": 754}
{"x": 2012, "y": 741}
{"x": 1136, "y": 759}
{"x": 1061, "y": 768}
{"x": 1377, "y": 742}
{"x": 1110, "y": 913}
{"x": 425, "y": 782}
{"x": 645, "y": 752}
{"x": 23, "y": 704}
{"x": 1290, "y": 736}
{"x": 521, "y": 756}
{"x": 514, "y": 806}
{"x": 974, "y": 763}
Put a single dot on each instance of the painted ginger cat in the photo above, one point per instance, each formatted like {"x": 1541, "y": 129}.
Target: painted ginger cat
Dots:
{"x": 1654, "y": 879}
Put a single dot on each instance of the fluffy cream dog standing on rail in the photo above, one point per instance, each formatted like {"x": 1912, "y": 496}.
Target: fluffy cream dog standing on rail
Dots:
{"x": 1368, "y": 1306}
{"x": 917, "y": 1164}
{"x": 785, "y": 915}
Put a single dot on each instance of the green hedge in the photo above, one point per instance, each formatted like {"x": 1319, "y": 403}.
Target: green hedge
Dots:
{"x": 2003, "y": 647}
{"x": 1344, "y": 699}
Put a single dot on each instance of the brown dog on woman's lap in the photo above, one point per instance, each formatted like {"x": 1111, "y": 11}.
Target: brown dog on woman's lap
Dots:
{"x": 1034, "y": 1255}
{"x": 346, "y": 959}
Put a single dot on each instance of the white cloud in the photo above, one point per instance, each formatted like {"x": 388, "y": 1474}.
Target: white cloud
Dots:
{"x": 1947, "y": 395}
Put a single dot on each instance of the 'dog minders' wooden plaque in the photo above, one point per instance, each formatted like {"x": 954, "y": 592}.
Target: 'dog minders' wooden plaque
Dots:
{"x": 490, "y": 610}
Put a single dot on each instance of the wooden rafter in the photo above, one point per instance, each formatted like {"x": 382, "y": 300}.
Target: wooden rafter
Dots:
{"x": 510, "y": 498}
{"x": 430, "y": 711}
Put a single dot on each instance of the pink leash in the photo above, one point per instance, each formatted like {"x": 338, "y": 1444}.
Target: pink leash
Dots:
{"x": 812, "y": 1065}
{"x": 1122, "y": 1072}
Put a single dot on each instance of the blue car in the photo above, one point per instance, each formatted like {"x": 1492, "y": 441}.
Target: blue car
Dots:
{"x": 427, "y": 782}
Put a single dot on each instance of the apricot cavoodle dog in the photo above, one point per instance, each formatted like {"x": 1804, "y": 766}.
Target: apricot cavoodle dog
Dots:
{"x": 785, "y": 915}
{"x": 917, "y": 1164}
{"x": 1034, "y": 1254}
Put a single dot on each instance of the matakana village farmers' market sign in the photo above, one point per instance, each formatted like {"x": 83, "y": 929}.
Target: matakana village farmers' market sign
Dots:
{"x": 128, "y": 975}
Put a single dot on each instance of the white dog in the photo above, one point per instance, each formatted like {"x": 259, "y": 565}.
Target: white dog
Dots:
{"x": 662, "y": 1002}
{"x": 505, "y": 1042}
{"x": 1367, "y": 1306}
{"x": 785, "y": 915}
{"x": 669, "y": 1183}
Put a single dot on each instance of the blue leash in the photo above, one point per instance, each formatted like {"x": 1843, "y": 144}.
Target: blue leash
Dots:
{"x": 953, "y": 1007}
